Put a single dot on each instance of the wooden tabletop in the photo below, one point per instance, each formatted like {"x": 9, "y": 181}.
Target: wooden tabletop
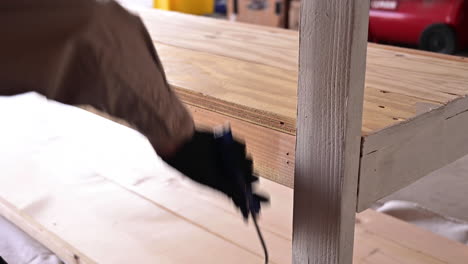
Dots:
{"x": 251, "y": 71}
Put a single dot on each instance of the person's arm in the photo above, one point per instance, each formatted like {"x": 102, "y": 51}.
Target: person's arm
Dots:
{"x": 91, "y": 53}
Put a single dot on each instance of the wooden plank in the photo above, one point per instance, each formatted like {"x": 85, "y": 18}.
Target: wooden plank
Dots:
{"x": 145, "y": 233}
{"x": 202, "y": 79}
{"x": 252, "y": 92}
{"x": 419, "y": 76}
{"x": 273, "y": 152}
{"x": 265, "y": 95}
{"x": 398, "y": 156}
{"x": 35, "y": 230}
{"x": 412, "y": 74}
{"x": 424, "y": 53}
{"x": 256, "y": 87}
{"x": 265, "y": 45}
{"x": 381, "y": 239}
{"x": 332, "y": 64}
{"x": 104, "y": 193}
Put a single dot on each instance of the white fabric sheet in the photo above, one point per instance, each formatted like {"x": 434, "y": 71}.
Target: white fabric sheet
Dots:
{"x": 413, "y": 213}
{"x": 16, "y": 247}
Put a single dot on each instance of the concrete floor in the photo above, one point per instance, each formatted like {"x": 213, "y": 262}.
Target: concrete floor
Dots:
{"x": 444, "y": 191}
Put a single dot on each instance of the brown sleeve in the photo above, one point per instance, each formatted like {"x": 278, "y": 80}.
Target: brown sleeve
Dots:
{"x": 94, "y": 53}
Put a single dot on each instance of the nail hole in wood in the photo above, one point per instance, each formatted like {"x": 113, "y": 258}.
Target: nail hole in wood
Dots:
{"x": 382, "y": 91}
{"x": 281, "y": 123}
{"x": 381, "y": 106}
{"x": 395, "y": 118}
{"x": 287, "y": 154}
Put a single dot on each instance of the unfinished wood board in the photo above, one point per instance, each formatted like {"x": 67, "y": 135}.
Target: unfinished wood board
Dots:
{"x": 266, "y": 45}
{"x": 25, "y": 222}
{"x": 402, "y": 238}
{"x": 97, "y": 190}
{"x": 273, "y": 152}
{"x": 201, "y": 79}
{"x": 417, "y": 77}
{"x": 332, "y": 66}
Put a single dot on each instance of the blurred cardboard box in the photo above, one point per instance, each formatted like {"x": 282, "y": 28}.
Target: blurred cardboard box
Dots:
{"x": 294, "y": 14}
{"x": 260, "y": 12}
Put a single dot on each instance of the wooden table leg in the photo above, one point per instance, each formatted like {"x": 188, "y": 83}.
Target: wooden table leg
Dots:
{"x": 332, "y": 63}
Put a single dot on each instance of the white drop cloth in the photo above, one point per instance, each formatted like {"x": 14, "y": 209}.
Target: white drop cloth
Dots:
{"x": 413, "y": 213}
{"x": 16, "y": 247}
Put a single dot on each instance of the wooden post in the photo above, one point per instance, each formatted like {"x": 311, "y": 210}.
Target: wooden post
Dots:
{"x": 332, "y": 62}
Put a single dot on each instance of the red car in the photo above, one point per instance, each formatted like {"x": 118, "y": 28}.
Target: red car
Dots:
{"x": 433, "y": 25}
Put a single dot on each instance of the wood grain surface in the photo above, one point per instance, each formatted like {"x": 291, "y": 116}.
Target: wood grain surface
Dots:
{"x": 256, "y": 68}
{"x": 273, "y": 152}
{"x": 201, "y": 79}
{"x": 332, "y": 67}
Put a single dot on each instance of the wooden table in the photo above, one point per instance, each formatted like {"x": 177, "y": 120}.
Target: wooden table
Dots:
{"x": 413, "y": 121}
{"x": 412, "y": 105}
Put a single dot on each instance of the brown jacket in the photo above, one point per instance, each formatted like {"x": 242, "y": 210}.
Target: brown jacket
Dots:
{"x": 94, "y": 53}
